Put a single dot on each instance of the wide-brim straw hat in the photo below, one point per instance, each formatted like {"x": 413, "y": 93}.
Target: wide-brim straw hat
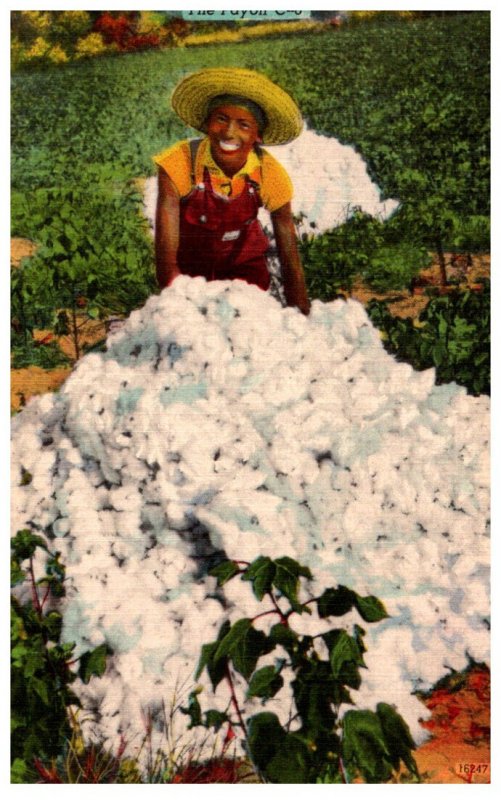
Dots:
{"x": 193, "y": 94}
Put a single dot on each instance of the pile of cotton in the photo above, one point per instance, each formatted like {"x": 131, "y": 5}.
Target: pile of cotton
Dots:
{"x": 218, "y": 422}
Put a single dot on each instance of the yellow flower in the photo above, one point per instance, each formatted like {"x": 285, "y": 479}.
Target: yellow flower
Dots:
{"x": 57, "y": 55}
{"x": 90, "y": 45}
{"x": 38, "y": 20}
{"x": 39, "y": 48}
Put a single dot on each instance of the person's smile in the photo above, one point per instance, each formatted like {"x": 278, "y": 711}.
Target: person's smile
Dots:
{"x": 233, "y": 132}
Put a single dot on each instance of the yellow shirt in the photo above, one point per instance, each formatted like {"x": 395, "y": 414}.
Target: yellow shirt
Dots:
{"x": 275, "y": 185}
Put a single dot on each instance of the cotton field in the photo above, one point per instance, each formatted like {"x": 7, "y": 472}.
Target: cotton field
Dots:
{"x": 219, "y": 423}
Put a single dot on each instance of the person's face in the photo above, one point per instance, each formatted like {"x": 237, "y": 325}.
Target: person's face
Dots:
{"x": 233, "y": 132}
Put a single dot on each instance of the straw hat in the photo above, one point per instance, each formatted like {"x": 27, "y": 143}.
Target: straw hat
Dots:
{"x": 193, "y": 94}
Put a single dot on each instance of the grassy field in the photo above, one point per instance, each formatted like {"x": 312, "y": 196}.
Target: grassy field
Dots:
{"x": 72, "y": 122}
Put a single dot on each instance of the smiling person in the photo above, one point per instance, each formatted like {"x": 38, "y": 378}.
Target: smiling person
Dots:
{"x": 210, "y": 189}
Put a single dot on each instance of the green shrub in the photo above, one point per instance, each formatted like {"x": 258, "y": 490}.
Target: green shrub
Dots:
{"x": 323, "y": 747}
{"x": 393, "y": 266}
{"x": 332, "y": 259}
{"x": 362, "y": 247}
{"x": 41, "y": 665}
{"x": 26, "y": 352}
{"x": 452, "y": 334}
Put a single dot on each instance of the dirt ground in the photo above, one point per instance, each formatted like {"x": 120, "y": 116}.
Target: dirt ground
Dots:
{"x": 459, "y": 748}
{"x": 410, "y": 302}
{"x": 19, "y": 249}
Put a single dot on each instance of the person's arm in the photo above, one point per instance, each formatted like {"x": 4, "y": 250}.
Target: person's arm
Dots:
{"x": 166, "y": 230}
{"x": 292, "y": 269}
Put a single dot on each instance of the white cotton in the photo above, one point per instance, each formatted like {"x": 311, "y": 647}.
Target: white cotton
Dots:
{"x": 219, "y": 424}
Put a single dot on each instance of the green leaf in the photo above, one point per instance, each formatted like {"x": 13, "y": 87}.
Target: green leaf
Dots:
{"x": 335, "y": 602}
{"x": 63, "y": 651}
{"x": 358, "y": 635}
{"x": 314, "y": 691}
{"x": 286, "y": 580}
{"x": 261, "y": 572}
{"x": 216, "y": 667}
{"x": 224, "y": 572}
{"x": 25, "y": 543}
{"x": 34, "y": 660}
{"x": 17, "y": 575}
{"x": 266, "y": 682}
{"x": 40, "y": 687}
{"x": 18, "y": 655}
{"x": 397, "y": 736}
{"x": 342, "y": 647}
{"x": 234, "y": 637}
{"x": 364, "y": 747}
{"x": 291, "y": 762}
{"x": 56, "y": 573}
{"x": 206, "y": 657}
{"x": 264, "y": 737}
{"x": 242, "y": 644}
{"x": 215, "y": 719}
{"x": 345, "y": 657}
{"x": 194, "y": 710}
{"x": 245, "y": 654}
{"x": 439, "y": 353}
{"x": 53, "y": 623}
{"x": 93, "y": 662}
{"x": 370, "y": 608}
{"x": 20, "y": 772}
{"x": 283, "y": 635}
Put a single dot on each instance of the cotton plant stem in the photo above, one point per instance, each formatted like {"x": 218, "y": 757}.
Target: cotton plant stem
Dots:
{"x": 235, "y": 701}
{"x": 283, "y": 617}
{"x": 34, "y": 592}
{"x": 342, "y": 770}
{"x": 264, "y": 614}
{"x": 45, "y": 598}
{"x": 75, "y": 333}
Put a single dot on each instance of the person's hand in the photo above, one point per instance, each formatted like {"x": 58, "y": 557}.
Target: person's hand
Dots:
{"x": 304, "y": 306}
{"x": 173, "y": 274}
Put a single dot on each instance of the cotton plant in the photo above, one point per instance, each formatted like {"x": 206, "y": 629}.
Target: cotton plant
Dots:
{"x": 218, "y": 424}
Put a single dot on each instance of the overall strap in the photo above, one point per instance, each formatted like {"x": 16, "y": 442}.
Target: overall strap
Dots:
{"x": 259, "y": 152}
{"x": 194, "y": 145}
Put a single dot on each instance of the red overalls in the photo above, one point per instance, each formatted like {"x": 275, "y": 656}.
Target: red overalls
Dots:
{"x": 221, "y": 238}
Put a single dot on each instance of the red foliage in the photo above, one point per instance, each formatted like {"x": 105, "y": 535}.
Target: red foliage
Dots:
{"x": 121, "y": 31}
{"x": 223, "y": 770}
{"x": 47, "y": 775}
{"x": 481, "y": 685}
{"x": 114, "y": 30}
{"x": 141, "y": 41}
